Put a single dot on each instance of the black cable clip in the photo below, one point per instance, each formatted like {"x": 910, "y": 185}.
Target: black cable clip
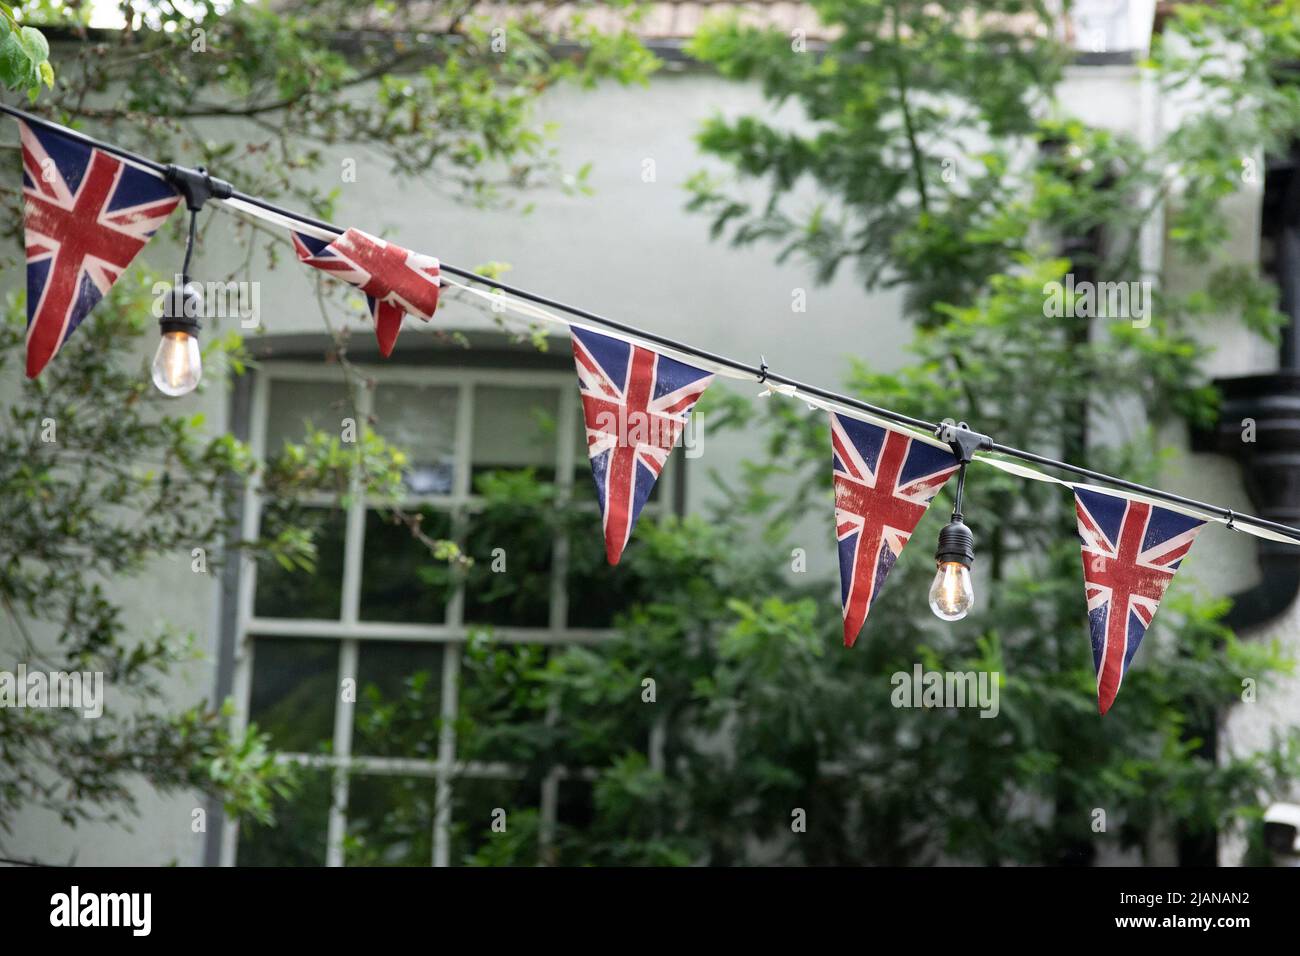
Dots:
{"x": 963, "y": 442}
{"x": 197, "y": 186}
{"x": 762, "y": 369}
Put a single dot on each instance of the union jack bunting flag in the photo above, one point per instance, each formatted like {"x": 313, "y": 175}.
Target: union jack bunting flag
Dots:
{"x": 636, "y": 403}
{"x": 884, "y": 481}
{"x": 1131, "y": 550}
{"x": 87, "y": 214}
{"x": 395, "y": 280}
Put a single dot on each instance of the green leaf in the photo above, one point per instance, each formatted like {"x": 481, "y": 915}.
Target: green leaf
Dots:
{"x": 37, "y": 47}
{"x": 14, "y": 63}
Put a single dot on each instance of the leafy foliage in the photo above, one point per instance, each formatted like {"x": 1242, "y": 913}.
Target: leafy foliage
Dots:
{"x": 24, "y": 55}
{"x": 100, "y": 483}
{"x": 444, "y": 91}
{"x": 758, "y": 714}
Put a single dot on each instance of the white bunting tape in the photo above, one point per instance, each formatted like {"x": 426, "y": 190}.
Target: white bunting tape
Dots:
{"x": 1024, "y": 471}
{"x": 520, "y": 307}
{"x": 286, "y": 222}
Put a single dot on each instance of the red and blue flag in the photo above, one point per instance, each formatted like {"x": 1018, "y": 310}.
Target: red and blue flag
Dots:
{"x": 87, "y": 213}
{"x": 394, "y": 280}
{"x": 636, "y": 403}
{"x": 1131, "y": 550}
{"x": 884, "y": 481}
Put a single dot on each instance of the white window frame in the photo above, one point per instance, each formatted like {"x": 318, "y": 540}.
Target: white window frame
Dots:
{"x": 349, "y": 630}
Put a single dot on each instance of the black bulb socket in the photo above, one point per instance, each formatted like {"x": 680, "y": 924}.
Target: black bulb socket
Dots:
{"x": 956, "y": 543}
{"x": 182, "y": 309}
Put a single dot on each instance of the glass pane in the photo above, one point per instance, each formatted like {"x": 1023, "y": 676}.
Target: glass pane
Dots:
{"x": 515, "y": 428}
{"x": 299, "y": 835}
{"x": 314, "y": 593}
{"x": 293, "y": 405}
{"x": 576, "y": 806}
{"x": 575, "y": 814}
{"x": 502, "y": 706}
{"x": 509, "y": 583}
{"x": 295, "y": 685}
{"x": 420, "y": 420}
{"x": 495, "y": 822}
{"x": 659, "y": 490}
{"x": 581, "y": 461}
{"x": 400, "y": 580}
{"x": 598, "y": 592}
{"x": 390, "y": 821}
{"x": 399, "y": 699}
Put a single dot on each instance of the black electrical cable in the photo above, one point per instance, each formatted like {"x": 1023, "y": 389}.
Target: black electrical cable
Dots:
{"x": 189, "y": 247}
{"x": 762, "y": 373}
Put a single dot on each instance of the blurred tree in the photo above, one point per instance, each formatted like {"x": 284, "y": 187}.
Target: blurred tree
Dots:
{"x": 949, "y": 168}
{"x": 445, "y": 90}
{"x": 941, "y": 161}
{"x": 96, "y": 482}
{"x": 760, "y": 714}
{"x": 24, "y": 55}
{"x": 441, "y": 90}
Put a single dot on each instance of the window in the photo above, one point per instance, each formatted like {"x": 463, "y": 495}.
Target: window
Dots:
{"x": 387, "y": 776}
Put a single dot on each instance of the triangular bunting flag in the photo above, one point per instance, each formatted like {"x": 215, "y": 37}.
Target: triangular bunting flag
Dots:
{"x": 635, "y": 402}
{"x": 884, "y": 481}
{"x": 87, "y": 214}
{"x": 1131, "y": 550}
{"x": 395, "y": 280}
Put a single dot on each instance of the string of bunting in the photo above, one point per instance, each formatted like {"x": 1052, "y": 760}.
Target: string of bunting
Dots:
{"x": 90, "y": 207}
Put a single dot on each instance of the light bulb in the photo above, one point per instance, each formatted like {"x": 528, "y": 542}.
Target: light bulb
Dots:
{"x": 177, "y": 364}
{"x": 951, "y": 594}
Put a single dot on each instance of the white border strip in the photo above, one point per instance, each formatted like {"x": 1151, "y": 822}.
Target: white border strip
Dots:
{"x": 1023, "y": 471}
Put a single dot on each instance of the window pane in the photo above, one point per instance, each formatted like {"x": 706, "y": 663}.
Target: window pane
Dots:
{"x": 510, "y": 805}
{"x": 295, "y": 685}
{"x": 515, "y": 428}
{"x": 420, "y": 420}
{"x": 301, "y": 829}
{"x": 576, "y": 806}
{"x": 598, "y": 592}
{"x": 575, "y": 814}
{"x": 399, "y": 699}
{"x": 581, "y": 461}
{"x": 400, "y": 580}
{"x": 509, "y": 583}
{"x": 502, "y": 709}
{"x": 300, "y": 592}
{"x": 390, "y": 821}
{"x": 292, "y": 405}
